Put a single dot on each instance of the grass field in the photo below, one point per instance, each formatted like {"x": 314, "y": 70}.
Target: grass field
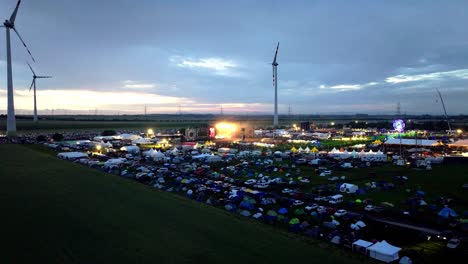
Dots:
{"x": 55, "y": 211}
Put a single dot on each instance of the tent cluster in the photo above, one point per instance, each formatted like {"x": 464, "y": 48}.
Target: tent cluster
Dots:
{"x": 306, "y": 150}
{"x": 382, "y": 250}
{"x": 364, "y": 156}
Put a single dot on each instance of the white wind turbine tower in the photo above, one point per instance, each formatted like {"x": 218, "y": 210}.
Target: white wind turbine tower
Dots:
{"x": 275, "y": 84}
{"x": 34, "y": 84}
{"x": 10, "y": 25}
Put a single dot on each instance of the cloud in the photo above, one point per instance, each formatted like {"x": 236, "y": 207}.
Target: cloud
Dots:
{"x": 347, "y": 87}
{"x": 217, "y": 66}
{"x": 138, "y": 85}
{"x": 82, "y": 101}
{"x": 402, "y": 78}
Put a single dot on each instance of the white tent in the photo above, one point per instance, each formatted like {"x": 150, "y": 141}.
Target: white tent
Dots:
{"x": 149, "y": 153}
{"x": 141, "y": 141}
{"x": 175, "y": 152}
{"x": 412, "y": 142}
{"x": 383, "y": 251}
{"x": 307, "y": 150}
{"x": 157, "y": 155}
{"x": 361, "y": 244}
{"x": 129, "y": 137}
{"x": 131, "y": 149}
{"x": 72, "y": 155}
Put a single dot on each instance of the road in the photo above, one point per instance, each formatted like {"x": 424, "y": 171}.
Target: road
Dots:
{"x": 404, "y": 225}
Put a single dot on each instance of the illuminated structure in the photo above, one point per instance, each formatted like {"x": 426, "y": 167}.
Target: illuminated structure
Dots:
{"x": 225, "y": 130}
{"x": 399, "y": 125}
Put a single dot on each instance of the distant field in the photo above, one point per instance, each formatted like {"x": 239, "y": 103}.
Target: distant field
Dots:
{"x": 26, "y": 126}
{"x": 55, "y": 211}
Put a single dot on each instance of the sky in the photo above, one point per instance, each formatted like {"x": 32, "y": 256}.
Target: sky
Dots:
{"x": 361, "y": 56}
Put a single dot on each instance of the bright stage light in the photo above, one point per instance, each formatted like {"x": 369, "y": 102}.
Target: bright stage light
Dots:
{"x": 225, "y": 130}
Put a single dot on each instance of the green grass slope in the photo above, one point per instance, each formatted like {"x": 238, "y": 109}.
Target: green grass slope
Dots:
{"x": 53, "y": 211}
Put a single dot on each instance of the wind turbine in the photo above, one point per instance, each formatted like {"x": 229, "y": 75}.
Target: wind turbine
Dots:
{"x": 445, "y": 111}
{"x": 275, "y": 84}
{"x": 34, "y": 84}
{"x": 10, "y": 25}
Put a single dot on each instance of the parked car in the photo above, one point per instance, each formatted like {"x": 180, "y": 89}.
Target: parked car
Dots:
{"x": 373, "y": 208}
{"x": 301, "y": 161}
{"x": 320, "y": 198}
{"x": 445, "y": 235}
{"x": 297, "y": 202}
{"x": 453, "y": 243}
{"x": 340, "y": 213}
{"x": 261, "y": 185}
{"x": 321, "y": 209}
{"x": 311, "y": 207}
{"x": 250, "y": 181}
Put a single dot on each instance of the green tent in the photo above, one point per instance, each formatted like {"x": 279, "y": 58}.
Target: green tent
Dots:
{"x": 358, "y": 201}
{"x": 272, "y": 213}
{"x": 299, "y": 211}
{"x": 250, "y": 199}
{"x": 294, "y": 221}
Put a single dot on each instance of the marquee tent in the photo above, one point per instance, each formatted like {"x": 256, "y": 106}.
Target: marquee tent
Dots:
{"x": 463, "y": 143}
{"x": 412, "y": 142}
{"x": 383, "y": 251}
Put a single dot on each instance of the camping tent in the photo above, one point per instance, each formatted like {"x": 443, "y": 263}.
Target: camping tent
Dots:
{"x": 361, "y": 244}
{"x": 447, "y": 212}
{"x": 383, "y": 251}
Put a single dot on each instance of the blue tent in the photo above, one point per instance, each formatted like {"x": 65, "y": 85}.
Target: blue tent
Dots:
{"x": 283, "y": 211}
{"x": 245, "y": 213}
{"x": 246, "y": 205}
{"x": 447, "y": 212}
{"x": 230, "y": 207}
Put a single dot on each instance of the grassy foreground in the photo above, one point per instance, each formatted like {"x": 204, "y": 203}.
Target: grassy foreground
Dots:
{"x": 55, "y": 211}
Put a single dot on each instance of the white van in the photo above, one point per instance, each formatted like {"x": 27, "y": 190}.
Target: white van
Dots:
{"x": 336, "y": 199}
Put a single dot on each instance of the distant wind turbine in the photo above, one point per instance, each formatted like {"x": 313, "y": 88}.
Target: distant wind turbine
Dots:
{"x": 10, "y": 25}
{"x": 445, "y": 111}
{"x": 275, "y": 84}
{"x": 33, "y": 84}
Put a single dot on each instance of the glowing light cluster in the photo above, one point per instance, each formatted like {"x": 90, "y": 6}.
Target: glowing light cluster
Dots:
{"x": 225, "y": 130}
{"x": 399, "y": 125}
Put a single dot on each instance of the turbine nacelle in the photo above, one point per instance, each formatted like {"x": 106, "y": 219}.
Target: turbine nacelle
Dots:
{"x": 8, "y": 24}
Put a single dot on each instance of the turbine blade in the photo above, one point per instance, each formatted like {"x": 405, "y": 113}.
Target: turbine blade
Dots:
{"x": 276, "y": 53}
{"x": 31, "y": 68}
{"x": 13, "y": 16}
{"x": 24, "y": 44}
{"x": 30, "y": 87}
{"x": 43, "y": 77}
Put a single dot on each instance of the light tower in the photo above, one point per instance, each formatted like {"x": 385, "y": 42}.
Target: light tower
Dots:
{"x": 275, "y": 84}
